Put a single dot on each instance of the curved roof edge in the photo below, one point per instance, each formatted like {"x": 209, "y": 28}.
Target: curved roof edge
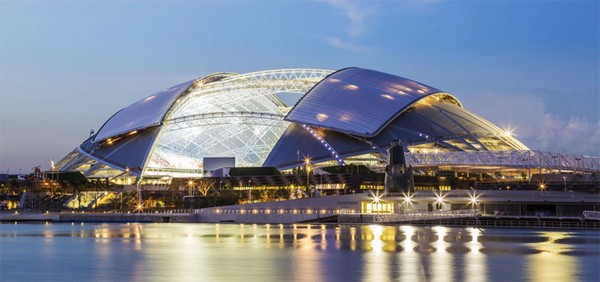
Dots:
{"x": 144, "y": 113}
{"x": 360, "y": 101}
{"x": 151, "y": 110}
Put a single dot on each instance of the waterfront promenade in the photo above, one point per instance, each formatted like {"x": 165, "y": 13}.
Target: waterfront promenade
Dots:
{"x": 349, "y": 209}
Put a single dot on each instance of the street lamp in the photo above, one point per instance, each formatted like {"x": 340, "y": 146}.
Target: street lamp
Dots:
{"x": 307, "y": 164}
{"x": 190, "y": 183}
{"x": 542, "y": 186}
{"x": 473, "y": 199}
{"x": 52, "y": 178}
{"x": 249, "y": 190}
{"x": 407, "y": 200}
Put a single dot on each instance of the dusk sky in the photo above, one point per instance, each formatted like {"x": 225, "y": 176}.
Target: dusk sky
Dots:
{"x": 67, "y": 66}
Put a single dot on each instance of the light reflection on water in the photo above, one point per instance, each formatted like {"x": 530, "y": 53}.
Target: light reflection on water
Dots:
{"x": 242, "y": 252}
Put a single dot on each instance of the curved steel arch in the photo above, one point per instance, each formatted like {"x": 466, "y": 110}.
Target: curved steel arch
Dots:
{"x": 264, "y": 83}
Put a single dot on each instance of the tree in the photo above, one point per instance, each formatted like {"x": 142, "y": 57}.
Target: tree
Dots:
{"x": 78, "y": 194}
{"x": 204, "y": 186}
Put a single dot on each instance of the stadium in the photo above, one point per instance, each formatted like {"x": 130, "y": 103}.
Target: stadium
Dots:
{"x": 315, "y": 120}
{"x": 271, "y": 118}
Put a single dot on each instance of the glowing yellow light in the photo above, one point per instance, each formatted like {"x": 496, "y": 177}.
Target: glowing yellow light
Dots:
{"x": 407, "y": 198}
{"x": 423, "y": 102}
{"x": 376, "y": 199}
{"x": 334, "y": 80}
{"x": 133, "y": 132}
{"x": 389, "y": 97}
{"x": 351, "y": 87}
{"x": 542, "y": 186}
{"x": 322, "y": 117}
{"x": 508, "y": 132}
{"x": 439, "y": 198}
{"x": 473, "y": 200}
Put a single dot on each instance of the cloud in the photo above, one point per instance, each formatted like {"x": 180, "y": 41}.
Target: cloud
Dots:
{"x": 528, "y": 117}
{"x": 341, "y": 44}
{"x": 356, "y": 12}
{"x": 576, "y": 135}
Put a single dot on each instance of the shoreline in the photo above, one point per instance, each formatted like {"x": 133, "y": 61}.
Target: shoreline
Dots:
{"x": 484, "y": 221}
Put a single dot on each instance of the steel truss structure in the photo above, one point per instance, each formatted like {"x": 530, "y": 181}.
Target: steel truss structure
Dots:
{"x": 239, "y": 116}
{"x": 522, "y": 159}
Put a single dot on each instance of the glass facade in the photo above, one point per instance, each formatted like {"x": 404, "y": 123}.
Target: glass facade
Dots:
{"x": 241, "y": 117}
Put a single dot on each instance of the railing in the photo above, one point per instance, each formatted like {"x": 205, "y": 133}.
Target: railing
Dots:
{"x": 425, "y": 215}
{"x": 594, "y": 215}
{"x": 407, "y": 217}
{"x": 142, "y": 211}
{"x": 519, "y": 159}
{"x": 273, "y": 211}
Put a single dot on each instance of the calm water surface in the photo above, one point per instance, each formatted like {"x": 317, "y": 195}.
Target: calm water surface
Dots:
{"x": 238, "y": 252}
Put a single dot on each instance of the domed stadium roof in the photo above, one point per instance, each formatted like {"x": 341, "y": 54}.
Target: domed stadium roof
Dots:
{"x": 273, "y": 118}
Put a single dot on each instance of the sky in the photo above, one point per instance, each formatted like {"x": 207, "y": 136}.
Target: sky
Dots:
{"x": 67, "y": 66}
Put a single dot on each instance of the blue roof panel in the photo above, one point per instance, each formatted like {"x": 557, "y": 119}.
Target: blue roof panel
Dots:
{"x": 141, "y": 114}
{"x": 357, "y": 101}
{"x": 131, "y": 151}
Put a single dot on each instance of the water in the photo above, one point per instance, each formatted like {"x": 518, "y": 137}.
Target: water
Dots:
{"x": 237, "y": 252}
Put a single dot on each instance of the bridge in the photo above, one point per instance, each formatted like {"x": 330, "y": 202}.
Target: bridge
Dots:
{"x": 527, "y": 159}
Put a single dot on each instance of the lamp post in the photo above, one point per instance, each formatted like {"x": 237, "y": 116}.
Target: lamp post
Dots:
{"x": 565, "y": 182}
{"x": 52, "y": 178}
{"x": 139, "y": 194}
{"x": 190, "y": 183}
{"x": 307, "y": 164}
